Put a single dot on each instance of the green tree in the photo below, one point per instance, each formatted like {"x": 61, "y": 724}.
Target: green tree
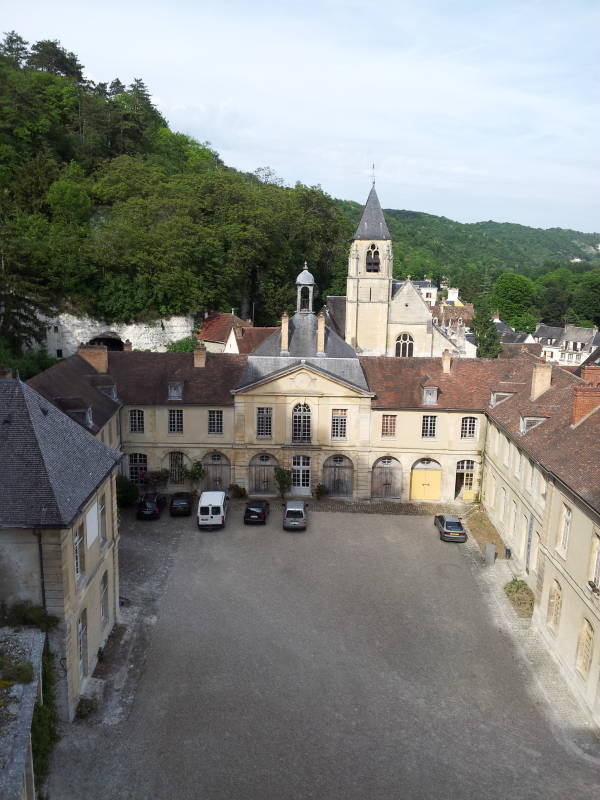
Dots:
{"x": 49, "y": 56}
{"x": 586, "y": 298}
{"x": 513, "y": 295}
{"x": 485, "y": 331}
{"x": 14, "y": 49}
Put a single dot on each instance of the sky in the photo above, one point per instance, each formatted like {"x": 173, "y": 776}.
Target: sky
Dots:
{"x": 470, "y": 109}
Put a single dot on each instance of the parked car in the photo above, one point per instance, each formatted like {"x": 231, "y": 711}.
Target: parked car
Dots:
{"x": 212, "y": 510}
{"x": 181, "y": 504}
{"x": 256, "y": 511}
{"x": 294, "y": 515}
{"x": 450, "y": 528}
{"x": 150, "y": 505}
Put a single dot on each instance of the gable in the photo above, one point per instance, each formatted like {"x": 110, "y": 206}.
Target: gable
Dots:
{"x": 303, "y": 381}
{"x": 407, "y": 306}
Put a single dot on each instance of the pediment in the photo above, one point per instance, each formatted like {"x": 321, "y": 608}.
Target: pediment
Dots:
{"x": 303, "y": 379}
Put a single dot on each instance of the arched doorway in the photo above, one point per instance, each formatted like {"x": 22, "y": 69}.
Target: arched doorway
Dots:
{"x": 426, "y": 480}
{"x": 337, "y": 476}
{"x": 218, "y": 472}
{"x": 262, "y": 474}
{"x": 386, "y": 478}
{"x": 112, "y": 341}
{"x": 465, "y": 477}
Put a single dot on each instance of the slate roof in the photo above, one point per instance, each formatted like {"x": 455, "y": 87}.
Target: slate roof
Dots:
{"x": 548, "y": 333}
{"x": 347, "y": 370}
{"x": 73, "y": 385}
{"x": 217, "y": 326}
{"x": 372, "y": 224}
{"x": 302, "y": 340}
{"x": 588, "y": 336}
{"x": 49, "y": 465}
{"x": 336, "y": 314}
{"x": 143, "y": 378}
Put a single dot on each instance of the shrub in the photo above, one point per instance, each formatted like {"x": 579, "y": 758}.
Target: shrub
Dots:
{"x": 127, "y": 492}
{"x": 18, "y": 673}
{"x": 44, "y": 724}
{"x": 283, "y": 479}
{"x": 237, "y": 492}
{"x": 320, "y": 491}
{"x": 26, "y": 613}
{"x": 521, "y": 597}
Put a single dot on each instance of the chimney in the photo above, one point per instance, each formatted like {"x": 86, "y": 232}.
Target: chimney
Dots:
{"x": 5, "y": 373}
{"x": 446, "y": 362}
{"x": 127, "y": 346}
{"x": 523, "y": 349}
{"x": 285, "y": 333}
{"x": 452, "y": 294}
{"x": 200, "y": 355}
{"x": 541, "y": 378}
{"x": 96, "y": 355}
{"x": 321, "y": 334}
{"x": 586, "y": 399}
{"x": 591, "y": 375}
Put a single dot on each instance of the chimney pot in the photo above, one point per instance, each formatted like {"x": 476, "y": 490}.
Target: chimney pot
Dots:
{"x": 541, "y": 379}
{"x": 127, "y": 346}
{"x": 285, "y": 333}
{"x": 200, "y": 355}
{"x": 96, "y": 355}
{"x": 321, "y": 334}
{"x": 446, "y": 362}
{"x": 591, "y": 374}
{"x": 585, "y": 400}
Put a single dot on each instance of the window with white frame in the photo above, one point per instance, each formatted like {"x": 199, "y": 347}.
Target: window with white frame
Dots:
{"x": 79, "y": 552}
{"x": 468, "y": 427}
{"x": 102, "y": 518}
{"x": 428, "y": 426}
{"x": 104, "y": 608}
{"x": 430, "y": 395}
{"x": 301, "y": 423}
{"x": 518, "y": 464}
{"x": 388, "y": 425}
{"x": 585, "y": 649}
{"x": 215, "y": 421}
{"x": 138, "y": 467}
{"x": 136, "y": 420}
{"x": 554, "y": 606}
{"x": 264, "y": 422}
{"x": 595, "y": 560}
{"x": 175, "y": 420}
{"x": 175, "y": 390}
{"x": 564, "y": 530}
{"x": 338, "y": 423}
{"x": 82, "y": 644}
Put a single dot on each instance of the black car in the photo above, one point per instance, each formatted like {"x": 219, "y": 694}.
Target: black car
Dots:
{"x": 256, "y": 511}
{"x": 181, "y": 504}
{"x": 150, "y": 505}
{"x": 450, "y": 528}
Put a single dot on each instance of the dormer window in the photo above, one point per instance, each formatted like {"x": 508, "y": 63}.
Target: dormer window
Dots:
{"x": 372, "y": 263}
{"x": 175, "y": 390}
{"x": 529, "y": 423}
{"x": 109, "y": 391}
{"x": 499, "y": 397}
{"x": 435, "y": 320}
{"x": 430, "y": 394}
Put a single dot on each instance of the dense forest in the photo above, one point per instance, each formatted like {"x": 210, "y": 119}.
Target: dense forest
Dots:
{"x": 105, "y": 210}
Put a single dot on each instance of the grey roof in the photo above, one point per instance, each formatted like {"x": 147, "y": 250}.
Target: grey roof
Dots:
{"x": 372, "y": 224}
{"x": 302, "y": 340}
{"x": 573, "y": 333}
{"x": 347, "y": 370}
{"x": 550, "y": 333}
{"x": 49, "y": 465}
{"x": 305, "y": 278}
{"x": 336, "y": 313}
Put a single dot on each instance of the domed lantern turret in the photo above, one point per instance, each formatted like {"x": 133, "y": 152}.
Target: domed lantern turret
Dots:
{"x": 305, "y": 284}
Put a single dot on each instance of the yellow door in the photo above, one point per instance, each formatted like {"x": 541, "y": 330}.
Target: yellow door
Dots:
{"x": 425, "y": 484}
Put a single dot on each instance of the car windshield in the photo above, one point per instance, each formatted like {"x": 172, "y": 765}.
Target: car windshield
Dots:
{"x": 293, "y": 514}
{"x": 179, "y": 501}
{"x": 254, "y": 508}
{"x": 215, "y": 510}
{"x": 453, "y": 526}
{"x": 205, "y": 510}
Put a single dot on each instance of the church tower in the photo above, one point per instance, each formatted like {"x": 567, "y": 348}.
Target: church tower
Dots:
{"x": 369, "y": 283}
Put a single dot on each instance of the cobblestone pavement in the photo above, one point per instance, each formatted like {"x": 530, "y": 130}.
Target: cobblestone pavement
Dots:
{"x": 361, "y": 660}
{"x": 386, "y": 507}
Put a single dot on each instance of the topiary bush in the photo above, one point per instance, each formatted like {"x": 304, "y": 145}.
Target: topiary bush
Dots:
{"x": 237, "y": 492}
{"x": 127, "y": 492}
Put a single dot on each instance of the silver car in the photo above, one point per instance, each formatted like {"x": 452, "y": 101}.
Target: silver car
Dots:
{"x": 450, "y": 528}
{"x": 294, "y": 515}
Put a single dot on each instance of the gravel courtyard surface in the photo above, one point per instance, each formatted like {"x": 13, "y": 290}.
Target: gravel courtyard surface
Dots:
{"x": 360, "y": 660}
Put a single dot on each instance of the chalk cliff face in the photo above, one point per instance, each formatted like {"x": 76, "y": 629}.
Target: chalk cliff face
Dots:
{"x": 66, "y": 331}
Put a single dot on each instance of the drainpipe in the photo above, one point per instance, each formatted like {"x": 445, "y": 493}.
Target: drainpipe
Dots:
{"x": 38, "y": 534}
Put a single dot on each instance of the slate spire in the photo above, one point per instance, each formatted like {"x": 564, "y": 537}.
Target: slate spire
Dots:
{"x": 372, "y": 224}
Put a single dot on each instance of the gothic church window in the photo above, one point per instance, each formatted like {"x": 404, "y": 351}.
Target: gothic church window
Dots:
{"x": 404, "y": 346}
{"x": 372, "y": 259}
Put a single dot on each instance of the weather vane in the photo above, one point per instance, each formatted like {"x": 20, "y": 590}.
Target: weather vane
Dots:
{"x": 373, "y": 174}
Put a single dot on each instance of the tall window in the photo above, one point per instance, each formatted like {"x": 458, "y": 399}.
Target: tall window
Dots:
{"x": 264, "y": 423}
{"x": 79, "y": 553}
{"x": 565, "y": 528}
{"x": 301, "y": 423}
{"x": 404, "y": 346}
{"x": 467, "y": 427}
{"x": 82, "y": 645}
{"x": 215, "y": 421}
{"x": 372, "y": 262}
{"x": 338, "y": 423}
{"x": 466, "y": 468}
{"x": 554, "y": 606}
{"x": 175, "y": 420}
{"x": 138, "y": 466}
{"x": 388, "y": 425}
{"x": 585, "y": 649}
{"x": 104, "y": 610}
{"x": 595, "y": 560}
{"x": 136, "y": 421}
{"x": 428, "y": 427}
{"x": 176, "y": 469}
{"x": 102, "y": 515}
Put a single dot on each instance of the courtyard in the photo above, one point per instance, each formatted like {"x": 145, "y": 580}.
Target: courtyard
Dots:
{"x": 360, "y": 659}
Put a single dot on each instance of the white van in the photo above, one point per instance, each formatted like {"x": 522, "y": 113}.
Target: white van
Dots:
{"x": 212, "y": 509}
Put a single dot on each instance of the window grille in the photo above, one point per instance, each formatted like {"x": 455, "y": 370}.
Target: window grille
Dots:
{"x": 404, "y": 346}
{"x": 175, "y": 420}
{"x": 104, "y": 610}
{"x": 82, "y": 645}
{"x": 138, "y": 466}
{"x": 176, "y": 468}
{"x": 338, "y": 423}
{"x": 102, "y": 514}
{"x": 264, "y": 418}
{"x": 136, "y": 421}
{"x": 388, "y": 425}
{"x": 301, "y": 423}
{"x": 215, "y": 421}
{"x": 78, "y": 553}
{"x": 467, "y": 427}
{"x": 428, "y": 427}
{"x": 585, "y": 648}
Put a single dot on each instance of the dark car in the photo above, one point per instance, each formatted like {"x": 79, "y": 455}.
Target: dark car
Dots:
{"x": 450, "y": 528}
{"x": 150, "y": 505}
{"x": 181, "y": 504}
{"x": 256, "y": 511}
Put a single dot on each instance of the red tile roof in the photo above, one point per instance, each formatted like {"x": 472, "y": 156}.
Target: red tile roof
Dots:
{"x": 217, "y": 326}
{"x": 249, "y": 338}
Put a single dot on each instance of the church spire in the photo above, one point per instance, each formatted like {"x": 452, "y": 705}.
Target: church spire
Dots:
{"x": 372, "y": 224}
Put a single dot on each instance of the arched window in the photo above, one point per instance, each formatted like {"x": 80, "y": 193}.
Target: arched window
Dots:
{"x": 301, "y": 423}
{"x": 465, "y": 477}
{"x": 554, "y": 606}
{"x": 176, "y": 468}
{"x": 404, "y": 346}
{"x": 468, "y": 427}
{"x": 138, "y": 466}
{"x": 372, "y": 259}
{"x": 585, "y": 649}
